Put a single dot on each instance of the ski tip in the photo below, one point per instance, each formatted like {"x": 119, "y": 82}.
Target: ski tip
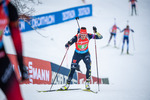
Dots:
{"x": 89, "y": 90}
{"x": 40, "y": 91}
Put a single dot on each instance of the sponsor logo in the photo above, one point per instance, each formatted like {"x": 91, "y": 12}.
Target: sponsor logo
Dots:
{"x": 44, "y": 20}
{"x": 84, "y": 11}
{"x": 61, "y": 79}
{"x": 82, "y": 79}
{"x": 53, "y": 18}
{"x": 74, "y": 61}
{"x": 39, "y": 70}
{"x": 68, "y": 15}
{"x": 38, "y": 73}
{"x": 22, "y": 25}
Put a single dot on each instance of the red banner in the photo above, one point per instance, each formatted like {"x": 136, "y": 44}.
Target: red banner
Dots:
{"x": 39, "y": 70}
{"x": 82, "y": 79}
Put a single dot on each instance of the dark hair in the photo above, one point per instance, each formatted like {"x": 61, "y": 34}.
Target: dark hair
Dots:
{"x": 83, "y": 28}
{"x": 127, "y": 26}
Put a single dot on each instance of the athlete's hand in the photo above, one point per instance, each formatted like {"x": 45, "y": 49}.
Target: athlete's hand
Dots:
{"x": 67, "y": 45}
{"x": 132, "y": 30}
{"x": 94, "y": 29}
{"x": 24, "y": 73}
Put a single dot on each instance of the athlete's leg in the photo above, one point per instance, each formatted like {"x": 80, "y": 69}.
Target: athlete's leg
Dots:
{"x": 127, "y": 45}
{"x": 87, "y": 61}
{"x": 115, "y": 40}
{"x": 8, "y": 81}
{"x": 123, "y": 45}
{"x": 74, "y": 64}
{"x": 110, "y": 38}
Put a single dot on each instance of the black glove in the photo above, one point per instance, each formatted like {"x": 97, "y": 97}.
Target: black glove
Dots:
{"x": 77, "y": 18}
{"x": 67, "y": 45}
{"x": 23, "y": 68}
{"x": 94, "y": 29}
{"x": 132, "y": 30}
{"x": 24, "y": 73}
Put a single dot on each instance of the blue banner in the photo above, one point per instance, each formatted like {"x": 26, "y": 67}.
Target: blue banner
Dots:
{"x": 62, "y": 74}
{"x": 45, "y": 20}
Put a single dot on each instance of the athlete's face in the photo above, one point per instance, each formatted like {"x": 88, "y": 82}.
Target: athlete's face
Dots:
{"x": 83, "y": 36}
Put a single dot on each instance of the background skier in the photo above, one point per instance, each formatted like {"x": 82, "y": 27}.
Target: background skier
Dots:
{"x": 133, "y": 6}
{"x": 126, "y": 38}
{"x": 113, "y": 33}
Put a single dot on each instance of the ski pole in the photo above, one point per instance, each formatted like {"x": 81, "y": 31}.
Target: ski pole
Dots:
{"x": 120, "y": 42}
{"x": 133, "y": 42}
{"x": 59, "y": 69}
{"x": 129, "y": 11}
{"x": 77, "y": 18}
{"x": 114, "y": 20}
{"x": 96, "y": 62}
{"x": 136, "y": 9}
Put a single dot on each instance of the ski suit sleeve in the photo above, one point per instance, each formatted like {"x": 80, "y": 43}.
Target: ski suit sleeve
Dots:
{"x": 119, "y": 29}
{"x": 110, "y": 30}
{"x": 122, "y": 30}
{"x": 93, "y": 36}
{"x": 73, "y": 40}
{"x": 131, "y": 30}
{"x": 15, "y": 34}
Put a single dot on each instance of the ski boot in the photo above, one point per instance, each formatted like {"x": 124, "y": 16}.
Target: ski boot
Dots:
{"x": 122, "y": 51}
{"x": 127, "y": 52}
{"x": 65, "y": 87}
{"x": 87, "y": 84}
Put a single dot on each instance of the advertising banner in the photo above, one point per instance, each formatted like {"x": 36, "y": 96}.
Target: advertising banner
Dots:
{"x": 53, "y": 18}
{"x": 39, "y": 70}
{"x": 44, "y": 72}
{"x": 62, "y": 74}
{"x": 82, "y": 79}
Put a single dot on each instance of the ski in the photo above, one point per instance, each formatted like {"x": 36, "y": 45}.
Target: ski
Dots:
{"x": 127, "y": 54}
{"x": 89, "y": 90}
{"x": 59, "y": 90}
{"x": 56, "y": 90}
{"x": 105, "y": 46}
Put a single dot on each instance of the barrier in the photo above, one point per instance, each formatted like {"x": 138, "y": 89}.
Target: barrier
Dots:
{"x": 43, "y": 72}
{"x": 63, "y": 74}
{"x": 58, "y": 17}
{"x": 39, "y": 70}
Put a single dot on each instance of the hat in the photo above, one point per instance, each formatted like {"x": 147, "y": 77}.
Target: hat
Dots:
{"x": 83, "y": 30}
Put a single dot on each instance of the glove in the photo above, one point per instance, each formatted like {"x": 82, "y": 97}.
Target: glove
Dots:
{"x": 94, "y": 29}
{"x": 132, "y": 30}
{"x": 67, "y": 45}
{"x": 77, "y": 18}
{"x": 24, "y": 73}
{"x": 23, "y": 69}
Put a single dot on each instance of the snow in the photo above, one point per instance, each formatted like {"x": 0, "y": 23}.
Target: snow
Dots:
{"x": 128, "y": 74}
